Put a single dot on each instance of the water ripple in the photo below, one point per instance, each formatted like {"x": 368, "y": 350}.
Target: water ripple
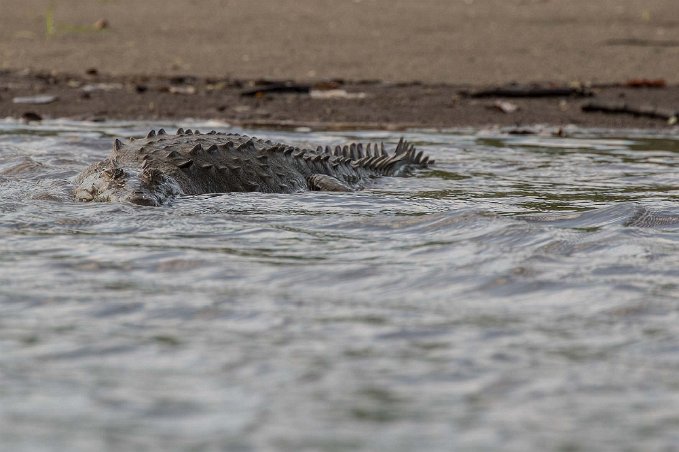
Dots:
{"x": 520, "y": 295}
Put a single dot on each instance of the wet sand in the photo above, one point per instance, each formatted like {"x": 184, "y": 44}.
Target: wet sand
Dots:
{"x": 408, "y": 59}
{"x": 326, "y": 105}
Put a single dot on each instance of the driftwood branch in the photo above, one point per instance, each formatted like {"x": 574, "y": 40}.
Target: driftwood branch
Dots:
{"x": 648, "y": 111}
{"x": 529, "y": 91}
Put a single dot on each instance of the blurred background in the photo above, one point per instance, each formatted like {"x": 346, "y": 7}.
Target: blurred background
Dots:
{"x": 452, "y": 41}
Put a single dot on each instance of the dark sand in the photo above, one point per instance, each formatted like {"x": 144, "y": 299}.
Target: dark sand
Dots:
{"x": 374, "y": 105}
{"x": 422, "y": 54}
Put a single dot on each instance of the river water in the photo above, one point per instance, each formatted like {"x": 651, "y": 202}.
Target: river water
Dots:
{"x": 503, "y": 300}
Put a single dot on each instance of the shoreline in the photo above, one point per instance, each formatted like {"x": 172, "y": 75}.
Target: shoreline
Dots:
{"x": 329, "y": 104}
{"x": 439, "y": 41}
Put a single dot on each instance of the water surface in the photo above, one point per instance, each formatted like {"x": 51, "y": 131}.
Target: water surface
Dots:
{"x": 503, "y": 300}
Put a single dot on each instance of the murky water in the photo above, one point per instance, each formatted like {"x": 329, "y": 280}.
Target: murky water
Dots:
{"x": 439, "y": 312}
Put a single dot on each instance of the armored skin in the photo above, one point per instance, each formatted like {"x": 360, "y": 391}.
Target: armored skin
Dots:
{"x": 152, "y": 170}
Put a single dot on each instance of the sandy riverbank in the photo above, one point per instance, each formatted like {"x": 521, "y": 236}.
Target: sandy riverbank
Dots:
{"x": 450, "y": 41}
{"x": 408, "y": 60}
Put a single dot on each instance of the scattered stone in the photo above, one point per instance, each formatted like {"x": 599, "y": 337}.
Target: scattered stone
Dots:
{"x": 100, "y": 24}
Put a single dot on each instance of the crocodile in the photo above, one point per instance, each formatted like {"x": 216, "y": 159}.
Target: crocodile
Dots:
{"x": 153, "y": 170}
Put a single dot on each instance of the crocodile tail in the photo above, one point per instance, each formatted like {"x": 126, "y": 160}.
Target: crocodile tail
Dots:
{"x": 407, "y": 157}
{"x": 404, "y": 158}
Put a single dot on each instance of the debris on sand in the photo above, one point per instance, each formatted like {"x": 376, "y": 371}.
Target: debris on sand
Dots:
{"x": 30, "y": 116}
{"x": 646, "y": 83}
{"x": 503, "y": 106}
{"x": 92, "y": 87}
{"x": 532, "y": 90}
{"x": 615, "y": 107}
{"x": 335, "y": 94}
{"x": 188, "y": 89}
{"x": 35, "y": 100}
{"x": 276, "y": 88}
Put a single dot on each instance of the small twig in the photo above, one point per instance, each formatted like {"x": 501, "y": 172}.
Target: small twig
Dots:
{"x": 277, "y": 88}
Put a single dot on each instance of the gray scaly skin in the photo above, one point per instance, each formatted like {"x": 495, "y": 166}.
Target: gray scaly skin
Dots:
{"x": 152, "y": 170}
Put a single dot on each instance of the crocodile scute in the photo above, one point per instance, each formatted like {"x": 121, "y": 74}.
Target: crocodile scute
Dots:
{"x": 153, "y": 170}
